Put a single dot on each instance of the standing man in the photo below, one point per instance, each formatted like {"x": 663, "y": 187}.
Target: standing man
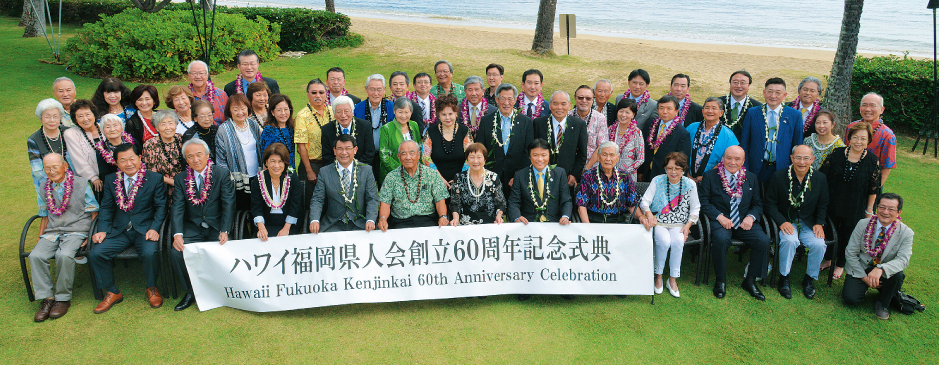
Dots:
{"x": 688, "y": 111}
{"x": 64, "y": 90}
{"x": 883, "y": 143}
{"x": 203, "y": 209}
{"x": 770, "y": 132}
{"x": 474, "y": 106}
{"x": 399, "y": 89}
{"x": 377, "y": 111}
{"x": 531, "y": 102}
{"x": 639, "y": 91}
{"x": 495, "y": 73}
{"x": 309, "y": 122}
{"x": 133, "y": 206}
{"x": 808, "y": 104}
{"x": 425, "y": 101}
{"x": 797, "y": 200}
{"x": 506, "y": 134}
{"x": 663, "y": 135}
{"x": 738, "y": 101}
{"x": 347, "y": 197}
{"x": 336, "y": 78}
{"x": 347, "y": 124}
{"x": 445, "y": 86}
{"x": 202, "y": 88}
{"x": 567, "y": 136}
{"x": 248, "y": 72}
{"x": 602, "y": 90}
{"x": 412, "y": 195}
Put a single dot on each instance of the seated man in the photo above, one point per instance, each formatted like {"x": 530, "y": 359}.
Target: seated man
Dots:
{"x": 797, "y": 200}
{"x": 346, "y": 192}
{"x": 413, "y": 195}
{"x": 61, "y": 232}
{"x": 878, "y": 251}
{"x": 203, "y": 208}
{"x": 540, "y": 193}
{"x": 730, "y": 198}
{"x": 347, "y": 123}
{"x": 248, "y": 64}
{"x": 133, "y": 206}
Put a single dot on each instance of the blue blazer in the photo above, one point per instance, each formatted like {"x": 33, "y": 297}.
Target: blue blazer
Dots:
{"x": 753, "y": 138}
{"x": 360, "y": 110}
{"x": 725, "y": 138}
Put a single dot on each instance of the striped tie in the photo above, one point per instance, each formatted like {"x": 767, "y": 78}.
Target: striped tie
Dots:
{"x": 734, "y": 204}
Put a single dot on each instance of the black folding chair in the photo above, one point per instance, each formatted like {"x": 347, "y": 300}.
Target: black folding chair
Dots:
{"x": 696, "y": 236}
{"x": 733, "y": 243}
{"x": 831, "y": 240}
{"x": 27, "y": 236}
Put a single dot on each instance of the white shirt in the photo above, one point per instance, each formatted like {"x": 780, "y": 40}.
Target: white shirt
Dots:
{"x": 534, "y": 107}
{"x": 129, "y": 182}
{"x": 182, "y": 127}
{"x": 249, "y": 151}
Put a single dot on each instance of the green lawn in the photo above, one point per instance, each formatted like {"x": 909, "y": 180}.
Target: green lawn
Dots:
{"x": 694, "y": 329}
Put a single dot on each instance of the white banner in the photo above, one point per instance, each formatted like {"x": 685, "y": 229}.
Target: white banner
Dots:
{"x": 310, "y": 270}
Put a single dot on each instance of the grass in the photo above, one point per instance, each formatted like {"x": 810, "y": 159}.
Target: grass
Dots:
{"x": 694, "y": 329}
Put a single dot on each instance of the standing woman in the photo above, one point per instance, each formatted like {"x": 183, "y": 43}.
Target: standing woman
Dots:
{"x": 164, "y": 154}
{"x": 111, "y": 97}
{"x": 671, "y": 205}
{"x": 48, "y": 139}
{"x": 82, "y": 138}
{"x": 279, "y": 128}
{"x": 476, "y": 194}
{"x": 145, "y": 100}
{"x": 275, "y": 195}
{"x": 180, "y": 100}
{"x": 824, "y": 141}
{"x": 114, "y": 136}
{"x": 237, "y": 147}
{"x": 853, "y": 175}
{"x": 445, "y": 142}
{"x": 401, "y": 129}
{"x": 205, "y": 127}
{"x": 628, "y": 138}
{"x": 258, "y": 94}
{"x": 709, "y": 138}
{"x": 606, "y": 193}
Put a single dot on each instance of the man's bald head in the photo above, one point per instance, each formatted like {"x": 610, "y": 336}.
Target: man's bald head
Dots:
{"x": 55, "y": 167}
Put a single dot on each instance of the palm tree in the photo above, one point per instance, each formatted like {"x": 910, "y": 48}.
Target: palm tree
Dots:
{"x": 838, "y": 94}
{"x": 544, "y": 28}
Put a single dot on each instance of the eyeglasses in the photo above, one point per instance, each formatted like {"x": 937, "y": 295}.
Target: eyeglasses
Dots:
{"x": 802, "y": 158}
{"x": 203, "y": 116}
{"x": 442, "y": 72}
{"x": 198, "y": 73}
{"x": 375, "y": 89}
{"x": 249, "y": 64}
{"x": 282, "y": 110}
{"x": 318, "y": 92}
{"x": 887, "y": 209}
{"x": 739, "y": 83}
{"x": 585, "y": 98}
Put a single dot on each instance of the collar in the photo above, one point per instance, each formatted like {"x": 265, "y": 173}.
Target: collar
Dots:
{"x": 729, "y": 175}
{"x": 545, "y": 171}
{"x": 735, "y": 101}
{"x": 204, "y": 171}
{"x": 529, "y": 101}
{"x": 778, "y": 109}
{"x": 370, "y": 105}
{"x": 479, "y": 106}
{"x": 347, "y": 167}
{"x": 503, "y": 116}
{"x": 562, "y": 123}
{"x": 133, "y": 177}
{"x": 348, "y": 126}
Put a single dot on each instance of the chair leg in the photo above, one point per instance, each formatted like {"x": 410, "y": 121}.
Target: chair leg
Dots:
{"x": 29, "y": 286}
{"x": 834, "y": 261}
{"x": 697, "y": 275}
{"x": 775, "y": 270}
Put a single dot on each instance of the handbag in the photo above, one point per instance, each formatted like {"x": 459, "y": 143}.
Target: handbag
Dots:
{"x": 906, "y": 303}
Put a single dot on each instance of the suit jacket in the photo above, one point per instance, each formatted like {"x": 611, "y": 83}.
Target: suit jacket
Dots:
{"x": 149, "y": 206}
{"x": 217, "y": 211}
{"x": 293, "y": 207}
{"x": 679, "y": 140}
{"x": 896, "y": 255}
{"x": 498, "y": 161}
{"x": 572, "y": 155}
{"x": 355, "y": 99}
{"x": 715, "y": 201}
{"x": 417, "y": 115}
{"x": 694, "y": 114}
{"x": 327, "y": 197}
{"x": 359, "y": 111}
{"x": 738, "y": 127}
{"x": 610, "y": 114}
{"x": 645, "y": 114}
{"x": 559, "y": 203}
{"x": 363, "y": 139}
{"x": 814, "y": 207}
{"x": 134, "y": 127}
{"x": 230, "y": 88}
{"x": 753, "y": 138}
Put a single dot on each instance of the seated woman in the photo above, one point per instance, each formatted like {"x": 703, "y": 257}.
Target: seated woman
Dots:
{"x": 114, "y": 135}
{"x": 279, "y": 128}
{"x": 444, "y": 143}
{"x": 606, "y": 194}
{"x": 81, "y": 139}
{"x": 709, "y": 138}
{"x": 205, "y": 127}
{"x": 258, "y": 94}
{"x": 111, "y": 97}
{"x": 275, "y": 195}
{"x": 627, "y": 136}
{"x": 671, "y": 214}
{"x": 401, "y": 129}
{"x": 476, "y": 195}
{"x": 145, "y": 100}
{"x": 164, "y": 154}
{"x": 823, "y": 142}
{"x": 236, "y": 147}
{"x": 46, "y": 140}
{"x": 180, "y": 99}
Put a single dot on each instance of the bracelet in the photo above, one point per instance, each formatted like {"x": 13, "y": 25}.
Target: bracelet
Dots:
{"x": 869, "y": 212}
{"x": 383, "y": 217}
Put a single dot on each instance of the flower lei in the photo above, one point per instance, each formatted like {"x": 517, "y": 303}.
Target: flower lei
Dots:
{"x": 206, "y": 185}
{"x": 686, "y": 101}
{"x": 355, "y": 181}
{"x": 766, "y": 126}
{"x": 464, "y": 112}
{"x": 328, "y": 99}
{"x": 660, "y": 138}
{"x": 536, "y": 109}
{"x": 556, "y": 143}
{"x": 743, "y": 109}
{"x": 796, "y": 201}
{"x": 602, "y": 191}
{"x": 239, "y": 80}
{"x": 497, "y": 126}
{"x": 268, "y": 197}
{"x": 209, "y": 90}
{"x": 351, "y": 128}
{"x": 736, "y": 191}
{"x": 643, "y": 99}
{"x": 433, "y": 103}
{"x": 54, "y": 209}
{"x": 547, "y": 192}
{"x": 813, "y": 110}
{"x": 869, "y": 237}
{"x": 626, "y": 135}
{"x": 106, "y": 153}
{"x": 126, "y": 201}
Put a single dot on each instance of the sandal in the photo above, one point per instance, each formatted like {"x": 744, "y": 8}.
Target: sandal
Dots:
{"x": 838, "y": 272}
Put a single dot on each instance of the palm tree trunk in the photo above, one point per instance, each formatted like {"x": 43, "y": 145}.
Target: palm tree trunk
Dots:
{"x": 331, "y": 6}
{"x": 838, "y": 94}
{"x": 544, "y": 28}
{"x": 34, "y": 13}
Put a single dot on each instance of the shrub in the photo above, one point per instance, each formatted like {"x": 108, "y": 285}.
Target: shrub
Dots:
{"x": 151, "y": 46}
{"x": 905, "y": 83}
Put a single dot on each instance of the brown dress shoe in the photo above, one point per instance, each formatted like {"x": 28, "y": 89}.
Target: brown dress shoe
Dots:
{"x": 44, "y": 309}
{"x": 59, "y": 309}
{"x": 154, "y": 297}
{"x": 110, "y": 299}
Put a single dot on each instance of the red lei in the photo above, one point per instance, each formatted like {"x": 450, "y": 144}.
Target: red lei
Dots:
{"x": 464, "y": 111}
{"x": 813, "y": 111}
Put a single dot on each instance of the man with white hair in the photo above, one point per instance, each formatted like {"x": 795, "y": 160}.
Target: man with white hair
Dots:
{"x": 64, "y": 90}
{"x": 883, "y": 143}
{"x": 474, "y": 106}
{"x": 347, "y": 123}
{"x": 808, "y": 103}
{"x": 200, "y": 83}
{"x": 567, "y": 135}
{"x": 602, "y": 91}
{"x": 376, "y": 110}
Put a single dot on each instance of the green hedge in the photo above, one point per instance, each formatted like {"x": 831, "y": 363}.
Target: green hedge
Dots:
{"x": 905, "y": 83}
{"x": 136, "y": 45}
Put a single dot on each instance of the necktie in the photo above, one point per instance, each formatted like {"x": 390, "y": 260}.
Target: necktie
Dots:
{"x": 734, "y": 204}
{"x": 541, "y": 185}
{"x": 506, "y": 130}
{"x": 530, "y": 106}
{"x": 878, "y": 242}
{"x": 473, "y": 115}
{"x": 424, "y": 106}
{"x": 804, "y": 114}
{"x": 346, "y": 182}
{"x": 770, "y": 154}
{"x": 128, "y": 184}
{"x": 345, "y": 131}
{"x": 560, "y": 135}
{"x": 199, "y": 182}
{"x": 735, "y": 112}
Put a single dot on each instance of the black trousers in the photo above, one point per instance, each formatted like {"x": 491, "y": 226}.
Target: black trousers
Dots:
{"x": 855, "y": 289}
{"x": 101, "y": 255}
{"x": 413, "y": 221}
{"x": 607, "y": 218}
{"x": 844, "y": 227}
{"x": 191, "y": 233}
{"x": 754, "y": 238}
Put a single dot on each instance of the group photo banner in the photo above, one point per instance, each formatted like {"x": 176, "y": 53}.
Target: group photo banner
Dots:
{"x": 316, "y": 270}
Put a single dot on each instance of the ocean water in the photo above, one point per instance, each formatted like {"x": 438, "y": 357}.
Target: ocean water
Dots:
{"x": 887, "y": 26}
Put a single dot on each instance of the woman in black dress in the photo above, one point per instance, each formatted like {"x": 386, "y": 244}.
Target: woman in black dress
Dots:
{"x": 476, "y": 194}
{"x": 445, "y": 142}
{"x": 205, "y": 127}
{"x": 275, "y": 195}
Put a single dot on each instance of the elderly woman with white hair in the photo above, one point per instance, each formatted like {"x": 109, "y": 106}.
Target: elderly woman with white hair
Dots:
{"x": 46, "y": 140}
{"x": 606, "y": 194}
{"x": 114, "y": 135}
{"x": 163, "y": 154}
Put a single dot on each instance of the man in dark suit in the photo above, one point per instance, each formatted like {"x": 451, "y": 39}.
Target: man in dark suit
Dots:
{"x": 248, "y": 63}
{"x": 669, "y": 127}
{"x": 506, "y": 135}
{"x": 602, "y": 90}
{"x": 399, "y": 83}
{"x": 733, "y": 209}
{"x": 552, "y": 201}
{"x": 681, "y": 83}
{"x": 770, "y": 132}
{"x": 336, "y": 80}
{"x": 532, "y": 85}
{"x": 131, "y": 214}
{"x": 567, "y": 136}
{"x": 474, "y": 105}
{"x": 359, "y": 129}
{"x": 803, "y": 220}
{"x": 348, "y": 198}
{"x": 198, "y": 219}
{"x": 737, "y": 102}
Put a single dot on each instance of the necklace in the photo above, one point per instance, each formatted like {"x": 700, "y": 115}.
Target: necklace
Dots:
{"x": 351, "y": 129}
{"x": 766, "y": 126}
{"x": 268, "y": 198}
{"x": 451, "y": 143}
{"x": 869, "y": 240}
{"x": 796, "y": 201}
{"x": 735, "y": 191}
{"x": 383, "y": 117}
{"x": 420, "y": 178}
{"x": 191, "y": 185}
{"x": 85, "y": 134}
{"x": 48, "y": 141}
{"x": 464, "y": 111}
{"x": 327, "y": 115}
{"x": 643, "y": 99}
{"x": 743, "y": 110}
{"x": 851, "y": 168}
{"x": 54, "y": 209}
{"x": 239, "y": 81}
{"x": 622, "y": 139}
{"x": 547, "y": 192}
{"x": 686, "y": 102}
{"x": 200, "y": 130}
{"x": 810, "y": 118}
{"x": 471, "y": 186}
{"x": 240, "y": 129}
{"x": 209, "y": 90}
{"x": 672, "y": 203}
{"x": 432, "y": 103}
{"x": 556, "y": 142}
{"x": 708, "y": 146}
{"x": 497, "y": 129}
{"x": 126, "y": 201}
{"x": 355, "y": 183}
{"x": 106, "y": 149}
{"x": 329, "y": 99}
{"x": 536, "y": 107}
{"x": 656, "y": 142}
{"x": 615, "y": 187}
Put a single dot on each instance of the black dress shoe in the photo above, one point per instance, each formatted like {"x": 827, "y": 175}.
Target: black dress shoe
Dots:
{"x": 808, "y": 287}
{"x": 523, "y": 297}
{"x": 720, "y": 289}
{"x": 784, "y": 288}
{"x": 750, "y": 286}
{"x": 187, "y": 301}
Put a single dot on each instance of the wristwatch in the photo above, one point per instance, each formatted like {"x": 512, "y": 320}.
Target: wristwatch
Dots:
{"x": 442, "y": 216}
{"x": 879, "y": 266}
